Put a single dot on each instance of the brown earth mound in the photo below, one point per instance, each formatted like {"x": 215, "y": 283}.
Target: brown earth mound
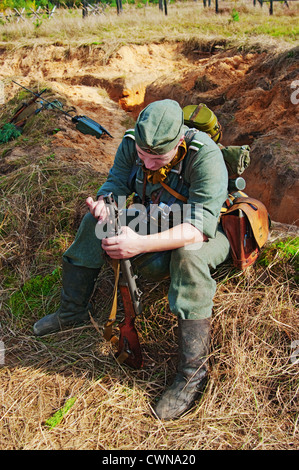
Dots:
{"x": 251, "y": 93}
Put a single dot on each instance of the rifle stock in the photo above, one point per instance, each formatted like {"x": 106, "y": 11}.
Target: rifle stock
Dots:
{"x": 23, "y": 112}
{"x": 129, "y": 350}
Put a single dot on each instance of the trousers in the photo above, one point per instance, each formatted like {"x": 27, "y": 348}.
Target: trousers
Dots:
{"x": 192, "y": 288}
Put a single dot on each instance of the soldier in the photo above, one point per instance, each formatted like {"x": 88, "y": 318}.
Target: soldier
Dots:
{"x": 175, "y": 166}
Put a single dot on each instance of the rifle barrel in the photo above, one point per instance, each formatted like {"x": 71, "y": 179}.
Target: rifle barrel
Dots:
{"x": 49, "y": 102}
{"x": 76, "y": 119}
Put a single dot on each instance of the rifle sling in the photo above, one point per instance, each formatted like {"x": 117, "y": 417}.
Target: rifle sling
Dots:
{"x": 108, "y": 335}
{"x": 112, "y": 317}
{"x": 173, "y": 192}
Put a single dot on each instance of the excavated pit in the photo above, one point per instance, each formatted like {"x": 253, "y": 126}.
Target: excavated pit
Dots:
{"x": 249, "y": 92}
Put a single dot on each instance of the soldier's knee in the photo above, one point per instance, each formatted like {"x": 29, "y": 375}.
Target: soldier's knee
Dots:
{"x": 88, "y": 222}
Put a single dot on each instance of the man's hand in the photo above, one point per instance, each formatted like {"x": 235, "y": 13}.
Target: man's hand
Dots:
{"x": 125, "y": 245}
{"x": 129, "y": 243}
{"x": 97, "y": 208}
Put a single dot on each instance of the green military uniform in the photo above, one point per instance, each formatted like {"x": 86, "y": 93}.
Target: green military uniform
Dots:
{"x": 202, "y": 178}
{"x": 205, "y": 182}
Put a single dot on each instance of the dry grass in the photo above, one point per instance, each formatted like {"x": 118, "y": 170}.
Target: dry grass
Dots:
{"x": 251, "y": 398}
{"x": 137, "y": 25}
{"x": 250, "y": 401}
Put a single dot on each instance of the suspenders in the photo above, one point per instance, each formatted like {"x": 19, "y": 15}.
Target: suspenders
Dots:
{"x": 192, "y": 144}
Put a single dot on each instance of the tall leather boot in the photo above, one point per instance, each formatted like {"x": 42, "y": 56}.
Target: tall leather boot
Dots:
{"x": 191, "y": 377}
{"x": 77, "y": 286}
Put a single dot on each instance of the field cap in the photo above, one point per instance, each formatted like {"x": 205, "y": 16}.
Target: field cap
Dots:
{"x": 159, "y": 127}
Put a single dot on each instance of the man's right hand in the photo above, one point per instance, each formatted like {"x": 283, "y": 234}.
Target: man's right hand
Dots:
{"x": 97, "y": 208}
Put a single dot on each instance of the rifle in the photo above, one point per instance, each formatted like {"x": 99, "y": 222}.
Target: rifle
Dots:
{"x": 129, "y": 350}
{"x": 83, "y": 123}
{"x": 25, "y": 110}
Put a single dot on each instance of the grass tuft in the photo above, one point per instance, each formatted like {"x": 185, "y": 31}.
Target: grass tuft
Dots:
{"x": 56, "y": 419}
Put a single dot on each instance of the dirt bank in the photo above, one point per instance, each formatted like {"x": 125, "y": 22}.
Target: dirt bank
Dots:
{"x": 249, "y": 92}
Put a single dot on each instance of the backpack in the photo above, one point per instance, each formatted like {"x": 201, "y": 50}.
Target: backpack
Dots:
{"x": 245, "y": 220}
{"x": 202, "y": 118}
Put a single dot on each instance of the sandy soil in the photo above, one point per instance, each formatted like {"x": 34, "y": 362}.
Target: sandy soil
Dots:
{"x": 249, "y": 92}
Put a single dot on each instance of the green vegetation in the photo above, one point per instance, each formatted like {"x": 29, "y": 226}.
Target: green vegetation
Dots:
{"x": 59, "y": 415}
{"x": 8, "y": 132}
{"x": 281, "y": 252}
{"x": 30, "y": 298}
{"x": 140, "y": 21}
{"x": 34, "y": 4}
{"x": 235, "y": 15}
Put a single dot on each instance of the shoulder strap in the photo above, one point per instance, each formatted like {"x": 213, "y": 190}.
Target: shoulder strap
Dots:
{"x": 130, "y": 133}
{"x": 192, "y": 144}
{"x": 173, "y": 192}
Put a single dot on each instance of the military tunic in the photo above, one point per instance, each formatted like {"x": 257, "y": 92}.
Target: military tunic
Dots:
{"x": 204, "y": 183}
